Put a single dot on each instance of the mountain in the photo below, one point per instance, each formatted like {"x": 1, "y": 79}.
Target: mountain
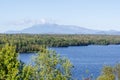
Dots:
{"x": 110, "y": 32}
{"x": 61, "y": 29}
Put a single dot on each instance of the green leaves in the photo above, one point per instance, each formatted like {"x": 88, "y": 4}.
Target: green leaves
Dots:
{"x": 47, "y": 66}
{"x": 8, "y": 63}
{"x": 107, "y": 74}
{"x": 50, "y": 66}
{"x": 110, "y": 73}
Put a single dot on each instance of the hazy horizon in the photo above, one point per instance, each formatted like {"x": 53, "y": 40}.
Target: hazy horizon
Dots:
{"x": 91, "y": 14}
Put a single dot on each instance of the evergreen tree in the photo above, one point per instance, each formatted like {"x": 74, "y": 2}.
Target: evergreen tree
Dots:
{"x": 27, "y": 73}
{"x": 8, "y": 63}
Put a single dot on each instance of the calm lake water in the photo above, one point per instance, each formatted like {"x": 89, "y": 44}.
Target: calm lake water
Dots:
{"x": 87, "y": 60}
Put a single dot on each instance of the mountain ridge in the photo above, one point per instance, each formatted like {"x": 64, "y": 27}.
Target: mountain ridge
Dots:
{"x": 62, "y": 29}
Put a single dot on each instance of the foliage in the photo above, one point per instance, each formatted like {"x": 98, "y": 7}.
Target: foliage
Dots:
{"x": 49, "y": 66}
{"x": 107, "y": 74}
{"x": 27, "y": 73}
{"x": 8, "y": 63}
{"x": 32, "y": 42}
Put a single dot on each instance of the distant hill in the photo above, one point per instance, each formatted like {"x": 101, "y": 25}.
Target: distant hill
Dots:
{"x": 61, "y": 29}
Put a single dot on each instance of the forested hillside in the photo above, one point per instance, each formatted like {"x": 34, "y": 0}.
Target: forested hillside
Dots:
{"x": 31, "y": 42}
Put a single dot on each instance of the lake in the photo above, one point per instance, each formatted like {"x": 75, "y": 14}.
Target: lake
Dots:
{"x": 87, "y": 60}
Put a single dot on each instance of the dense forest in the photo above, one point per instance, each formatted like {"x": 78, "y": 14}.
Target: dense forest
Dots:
{"x": 32, "y": 42}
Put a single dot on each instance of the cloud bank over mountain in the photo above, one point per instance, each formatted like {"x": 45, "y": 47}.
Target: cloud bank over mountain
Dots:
{"x": 43, "y": 27}
{"x": 27, "y": 22}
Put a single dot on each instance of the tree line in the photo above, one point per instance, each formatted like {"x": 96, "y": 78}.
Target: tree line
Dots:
{"x": 32, "y": 42}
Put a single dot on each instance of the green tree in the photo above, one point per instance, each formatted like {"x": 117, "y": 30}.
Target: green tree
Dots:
{"x": 107, "y": 74}
{"x": 27, "y": 73}
{"x": 8, "y": 63}
{"x": 49, "y": 66}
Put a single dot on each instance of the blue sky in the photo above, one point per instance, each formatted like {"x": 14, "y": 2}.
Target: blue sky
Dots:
{"x": 93, "y": 14}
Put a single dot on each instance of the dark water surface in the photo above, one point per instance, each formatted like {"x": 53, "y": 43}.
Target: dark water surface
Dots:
{"x": 87, "y": 60}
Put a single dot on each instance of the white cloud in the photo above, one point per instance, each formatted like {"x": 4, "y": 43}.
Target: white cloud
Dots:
{"x": 25, "y": 22}
{"x": 43, "y": 21}
{"x": 22, "y": 24}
